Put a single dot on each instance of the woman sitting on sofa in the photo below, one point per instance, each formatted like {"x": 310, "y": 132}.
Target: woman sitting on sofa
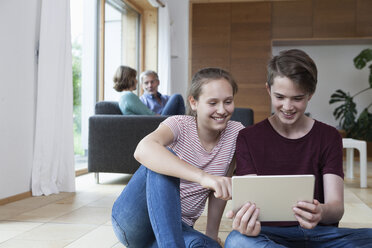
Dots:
{"x": 125, "y": 80}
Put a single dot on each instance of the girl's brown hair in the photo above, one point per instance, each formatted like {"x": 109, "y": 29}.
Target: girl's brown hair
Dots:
{"x": 203, "y": 77}
{"x": 124, "y": 78}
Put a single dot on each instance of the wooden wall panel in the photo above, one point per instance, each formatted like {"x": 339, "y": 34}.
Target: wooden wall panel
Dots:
{"x": 334, "y": 18}
{"x": 364, "y": 18}
{"x": 250, "y": 51}
{"x": 292, "y": 19}
{"x": 210, "y": 36}
{"x": 237, "y": 36}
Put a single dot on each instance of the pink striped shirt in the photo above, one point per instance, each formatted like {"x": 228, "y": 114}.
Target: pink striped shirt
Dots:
{"x": 187, "y": 146}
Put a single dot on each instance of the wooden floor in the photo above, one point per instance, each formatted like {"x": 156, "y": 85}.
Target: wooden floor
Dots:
{"x": 82, "y": 219}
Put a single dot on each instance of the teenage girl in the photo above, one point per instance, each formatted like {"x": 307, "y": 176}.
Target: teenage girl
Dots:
{"x": 186, "y": 160}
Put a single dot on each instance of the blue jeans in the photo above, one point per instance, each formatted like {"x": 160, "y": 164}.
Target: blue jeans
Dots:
{"x": 296, "y": 236}
{"x": 148, "y": 214}
{"x": 174, "y": 106}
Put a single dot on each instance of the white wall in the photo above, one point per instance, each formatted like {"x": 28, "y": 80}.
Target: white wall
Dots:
{"x": 179, "y": 20}
{"x": 335, "y": 71}
{"x": 19, "y": 31}
{"x": 335, "y": 66}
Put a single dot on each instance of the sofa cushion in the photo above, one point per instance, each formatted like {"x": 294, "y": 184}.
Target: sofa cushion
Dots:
{"x": 107, "y": 108}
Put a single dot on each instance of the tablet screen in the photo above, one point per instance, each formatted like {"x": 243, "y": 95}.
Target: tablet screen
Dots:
{"x": 274, "y": 195}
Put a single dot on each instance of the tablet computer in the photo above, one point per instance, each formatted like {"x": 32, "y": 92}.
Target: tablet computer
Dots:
{"x": 274, "y": 195}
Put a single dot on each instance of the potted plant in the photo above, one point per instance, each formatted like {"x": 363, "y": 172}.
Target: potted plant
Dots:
{"x": 356, "y": 127}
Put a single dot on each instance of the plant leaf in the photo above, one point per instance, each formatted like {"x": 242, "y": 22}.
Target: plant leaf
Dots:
{"x": 363, "y": 127}
{"x": 370, "y": 76}
{"x": 363, "y": 58}
{"x": 338, "y": 96}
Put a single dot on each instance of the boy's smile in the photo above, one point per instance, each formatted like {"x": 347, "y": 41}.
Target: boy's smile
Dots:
{"x": 288, "y": 100}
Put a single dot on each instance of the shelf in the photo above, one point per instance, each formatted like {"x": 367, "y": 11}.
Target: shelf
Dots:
{"x": 323, "y": 41}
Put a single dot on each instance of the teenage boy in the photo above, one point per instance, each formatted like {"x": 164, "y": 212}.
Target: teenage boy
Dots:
{"x": 289, "y": 142}
{"x": 156, "y": 101}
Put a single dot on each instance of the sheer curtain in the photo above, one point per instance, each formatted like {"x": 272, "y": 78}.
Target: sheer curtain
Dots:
{"x": 164, "y": 52}
{"x": 53, "y": 162}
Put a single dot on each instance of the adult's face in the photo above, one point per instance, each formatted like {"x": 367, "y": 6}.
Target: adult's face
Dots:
{"x": 150, "y": 84}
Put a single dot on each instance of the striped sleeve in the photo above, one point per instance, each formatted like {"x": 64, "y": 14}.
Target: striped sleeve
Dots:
{"x": 174, "y": 123}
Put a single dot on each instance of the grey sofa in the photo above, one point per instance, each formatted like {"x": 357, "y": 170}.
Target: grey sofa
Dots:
{"x": 113, "y": 137}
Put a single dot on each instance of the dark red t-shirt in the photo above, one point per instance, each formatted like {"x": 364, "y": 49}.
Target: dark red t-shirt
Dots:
{"x": 263, "y": 151}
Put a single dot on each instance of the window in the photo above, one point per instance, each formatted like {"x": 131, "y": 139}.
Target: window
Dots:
{"x": 84, "y": 47}
{"x": 121, "y": 47}
{"x": 121, "y": 42}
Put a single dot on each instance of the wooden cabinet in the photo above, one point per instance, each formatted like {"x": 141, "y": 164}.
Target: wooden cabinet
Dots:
{"x": 250, "y": 52}
{"x": 292, "y": 19}
{"x": 235, "y": 37}
{"x": 334, "y": 18}
{"x": 238, "y": 36}
{"x": 211, "y": 36}
{"x": 364, "y": 18}
{"x": 321, "y": 19}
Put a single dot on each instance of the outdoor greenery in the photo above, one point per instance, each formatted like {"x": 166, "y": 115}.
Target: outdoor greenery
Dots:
{"x": 357, "y": 127}
{"x": 76, "y": 78}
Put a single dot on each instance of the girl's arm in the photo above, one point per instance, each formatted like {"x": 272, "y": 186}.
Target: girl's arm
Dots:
{"x": 151, "y": 151}
{"x": 215, "y": 211}
{"x": 216, "y": 208}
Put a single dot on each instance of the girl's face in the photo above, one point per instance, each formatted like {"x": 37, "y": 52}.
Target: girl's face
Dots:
{"x": 288, "y": 100}
{"x": 214, "y": 106}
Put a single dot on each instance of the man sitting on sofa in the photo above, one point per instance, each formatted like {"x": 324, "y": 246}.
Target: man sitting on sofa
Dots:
{"x": 156, "y": 101}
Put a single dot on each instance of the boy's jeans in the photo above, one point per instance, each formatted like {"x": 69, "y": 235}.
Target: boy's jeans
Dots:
{"x": 296, "y": 236}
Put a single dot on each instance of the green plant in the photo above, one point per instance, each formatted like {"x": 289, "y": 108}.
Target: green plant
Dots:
{"x": 355, "y": 127}
{"x": 76, "y": 80}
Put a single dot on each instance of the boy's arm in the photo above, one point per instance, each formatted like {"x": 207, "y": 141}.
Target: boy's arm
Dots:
{"x": 310, "y": 214}
{"x": 333, "y": 207}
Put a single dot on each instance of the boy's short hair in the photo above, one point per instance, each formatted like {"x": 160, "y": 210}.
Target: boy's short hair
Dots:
{"x": 296, "y": 65}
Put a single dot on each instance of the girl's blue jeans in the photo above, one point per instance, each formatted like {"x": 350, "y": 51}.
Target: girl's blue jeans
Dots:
{"x": 319, "y": 237}
{"x": 148, "y": 214}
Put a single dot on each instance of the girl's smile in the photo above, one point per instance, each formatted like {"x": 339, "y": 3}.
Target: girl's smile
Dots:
{"x": 215, "y": 105}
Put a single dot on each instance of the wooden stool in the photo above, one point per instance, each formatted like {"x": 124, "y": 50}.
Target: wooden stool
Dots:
{"x": 361, "y": 145}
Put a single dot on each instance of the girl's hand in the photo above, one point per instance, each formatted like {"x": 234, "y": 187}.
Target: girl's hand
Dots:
{"x": 246, "y": 220}
{"x": 220, "y": 185}
{"x": 308, "y": 214}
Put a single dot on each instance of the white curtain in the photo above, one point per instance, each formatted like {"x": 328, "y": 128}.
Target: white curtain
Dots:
{"x": 53, "y": 162}
{"x": 164, "y": 52}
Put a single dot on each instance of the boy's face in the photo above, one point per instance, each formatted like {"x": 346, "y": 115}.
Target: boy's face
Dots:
{"x": 150, "y": 84}
{"x": 288, "y": 100}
